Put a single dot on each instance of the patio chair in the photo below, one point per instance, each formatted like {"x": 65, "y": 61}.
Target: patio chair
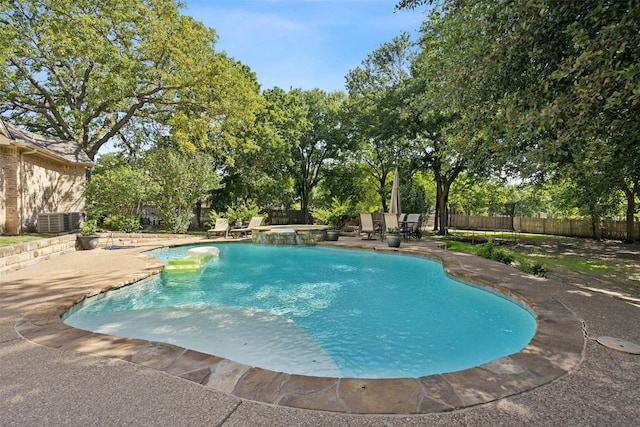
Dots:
{"x": 390, "y": 221}
{"x": 221, "y": 226}
{"x": 255, "y": 221}
{"x": 412, "y": 225}
{"x": 366, "y": 225}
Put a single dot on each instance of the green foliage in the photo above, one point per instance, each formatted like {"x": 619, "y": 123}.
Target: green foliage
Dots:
{"x": 176, "y": 181}
{"x": 337, "y": 215}
{"x": 490, "y": 251}
{"x": 537, "y": 267}
{"x": 344, "y": 180}
{"x": 393, "y": 230}
{"x": 126, "y": 224}
{"x": 480, "y": 197}
{"x": 120, "y": 191}
{"x": 171, "y": 181}
{"x": 376, "y": 111}
{"x": 414, "y": 198}
{"x": 310, "y": 123}
{"x": 89, "y": 227}
{"x": 259, "y": 173}
{"x": 82, "y": 69}
{"x": 242, "y": 213}
{"x": 544, "y": 91}
{"x": 451, "y": 109}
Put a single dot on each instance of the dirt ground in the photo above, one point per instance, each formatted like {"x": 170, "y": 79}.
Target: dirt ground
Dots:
{"x": 592, "y": 249}
{"x": 623, "y": 282}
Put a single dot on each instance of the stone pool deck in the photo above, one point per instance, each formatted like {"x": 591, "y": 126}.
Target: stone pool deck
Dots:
{"x": 51, "y": 374}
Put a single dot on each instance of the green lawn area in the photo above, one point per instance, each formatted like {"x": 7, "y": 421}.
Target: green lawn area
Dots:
{"x": 615, "y": 262}
{"x": 610, "y": 269}
{"x": 14, "y": 240}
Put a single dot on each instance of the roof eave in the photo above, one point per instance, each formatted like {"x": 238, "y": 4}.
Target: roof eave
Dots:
{"x": 46, "y": 153}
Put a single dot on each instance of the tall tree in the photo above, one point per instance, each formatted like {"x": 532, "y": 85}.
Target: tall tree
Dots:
{"x": 597, "y": 110}
{"x": 82, "y": 69}
{"x": 311, "y": 124}
{"x": 568, "y": 74}
{"x": 452, "y": 107}
{"x": 376, "y": 104}
{"x": 321, "y": 140}
{"x": 259, "y": 172}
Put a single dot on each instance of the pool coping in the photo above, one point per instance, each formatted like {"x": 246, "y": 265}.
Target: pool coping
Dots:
{"x": 556, "y": 349}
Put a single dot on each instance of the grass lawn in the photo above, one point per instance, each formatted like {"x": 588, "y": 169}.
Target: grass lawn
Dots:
{"x": 609, "y": 261}
{"x": 14, "y": 240}
{"x": 609, "y": 269}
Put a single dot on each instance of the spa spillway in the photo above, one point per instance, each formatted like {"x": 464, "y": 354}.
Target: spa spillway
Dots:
{"x": 289, "y": 235}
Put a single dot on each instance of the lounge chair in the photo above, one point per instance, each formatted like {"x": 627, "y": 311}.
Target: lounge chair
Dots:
{"x": 256, "y": 221}
{"x": 366, "y": 224}
{"x": 390, "y": 221}
{"x": 221, "y": 226}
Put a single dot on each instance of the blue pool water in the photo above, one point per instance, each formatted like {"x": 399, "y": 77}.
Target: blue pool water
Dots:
{"x": 317, "y": 311}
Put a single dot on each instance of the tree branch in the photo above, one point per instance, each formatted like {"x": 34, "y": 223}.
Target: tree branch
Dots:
{"x": 68, "y": 132}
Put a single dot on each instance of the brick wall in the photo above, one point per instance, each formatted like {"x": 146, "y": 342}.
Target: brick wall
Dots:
{"x": 33, "y": 184}
{"x": 50, "y": 186}
{"x": 9, "y": 208}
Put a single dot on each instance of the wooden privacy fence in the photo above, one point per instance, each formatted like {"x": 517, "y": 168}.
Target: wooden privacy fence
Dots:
{"x": 609, "y": 229}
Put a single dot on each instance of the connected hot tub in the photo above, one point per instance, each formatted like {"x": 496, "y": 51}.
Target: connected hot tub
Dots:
{"x": 289, "y": 235}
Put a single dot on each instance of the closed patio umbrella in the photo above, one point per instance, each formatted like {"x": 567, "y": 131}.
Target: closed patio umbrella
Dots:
{"x": 395, "y": 194}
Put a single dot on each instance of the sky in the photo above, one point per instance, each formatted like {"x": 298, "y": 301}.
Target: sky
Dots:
{"x": 303, "y": 44}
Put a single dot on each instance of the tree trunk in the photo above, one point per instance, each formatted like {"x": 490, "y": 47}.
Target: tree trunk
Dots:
{"x": 383, "y": 194}
{"x": 631, "y": 210}
{"x": 436, "y": 218}
{"x": 595, "y": 226}
{"x": 304, "y": 202}
{"x": 443, "y": 199}
{"x": 198, "y": 214}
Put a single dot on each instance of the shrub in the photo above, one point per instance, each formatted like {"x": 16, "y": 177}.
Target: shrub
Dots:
{"x": 127, "y": 224}
{"x": 337, "y": 215}
{"x": 488, "y": 250}
{"x": 485, "y": 250}
{"x": 119, "y": 191}
{"x": 176, "y": 182}
{"x": 536, "y": 268}
{"x": 502, "y": 255}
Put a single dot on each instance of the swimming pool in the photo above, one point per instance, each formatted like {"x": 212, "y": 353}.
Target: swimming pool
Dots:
{"x": 317, "y": 311}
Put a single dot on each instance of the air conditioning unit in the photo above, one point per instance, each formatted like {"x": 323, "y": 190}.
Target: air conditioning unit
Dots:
{"x": 75, "y": 219}
{"x": 53, "y": 223}
{"x": 60, "y": 222}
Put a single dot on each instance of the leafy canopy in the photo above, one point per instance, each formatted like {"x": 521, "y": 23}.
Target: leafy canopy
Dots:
{"x": 81, "y": 70}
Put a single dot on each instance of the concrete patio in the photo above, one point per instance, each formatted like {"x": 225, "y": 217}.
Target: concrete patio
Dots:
{"x": 56, "y": 375}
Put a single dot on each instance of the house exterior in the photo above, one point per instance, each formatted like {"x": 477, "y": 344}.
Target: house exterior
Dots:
{"x": 38, "y": 175}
